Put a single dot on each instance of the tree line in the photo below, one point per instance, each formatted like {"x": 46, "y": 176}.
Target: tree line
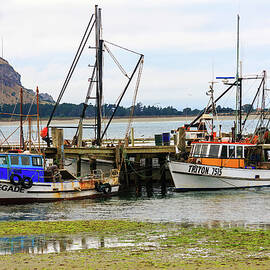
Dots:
{"x": 67, "y": 110}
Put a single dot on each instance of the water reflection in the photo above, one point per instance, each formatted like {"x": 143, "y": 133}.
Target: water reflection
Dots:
{"x": 42, "y": 244}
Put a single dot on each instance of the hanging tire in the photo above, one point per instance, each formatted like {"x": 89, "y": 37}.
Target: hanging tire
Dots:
{"x": 27, "y": 182}
{"x": 107, "y": 188}
{"x": 15, "y": 179}
{"x": 98, "y": 187}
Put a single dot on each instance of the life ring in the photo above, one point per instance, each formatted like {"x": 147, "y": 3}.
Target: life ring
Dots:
{"x": 27, "y": 182}
{"x": 13, "y": 180}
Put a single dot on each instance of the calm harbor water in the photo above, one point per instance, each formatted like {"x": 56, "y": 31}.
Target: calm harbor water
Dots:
{"x": 142, "y": 129}
{"x": 245, "y": 207}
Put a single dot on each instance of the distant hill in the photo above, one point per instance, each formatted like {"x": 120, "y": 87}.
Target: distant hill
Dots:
{"x": 10, "y": 85}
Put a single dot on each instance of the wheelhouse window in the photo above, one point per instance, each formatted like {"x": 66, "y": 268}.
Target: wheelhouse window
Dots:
{"x": 224, "y": 151}
{"x": 231, "y": 151}
{"x": 204, "y": 150}
{"x": 37, "y": 161}
{"x": 14, "y": 160}
{"x": 213, "y": 152}
{"x": 239, "y": 151}
{"x": 197, "y": 150}
{"x": 3, "y": 160}
{"x": 25, "y": 160}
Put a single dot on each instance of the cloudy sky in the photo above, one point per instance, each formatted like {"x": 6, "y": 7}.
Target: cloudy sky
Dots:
{"x": 185, "y": 42}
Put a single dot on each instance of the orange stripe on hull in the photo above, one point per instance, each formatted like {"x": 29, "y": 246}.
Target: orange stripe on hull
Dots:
{"x": 220, "y": 162}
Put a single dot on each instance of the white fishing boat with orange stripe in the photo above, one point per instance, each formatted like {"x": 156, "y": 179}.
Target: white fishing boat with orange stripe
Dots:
{"x": 222, "y": 165}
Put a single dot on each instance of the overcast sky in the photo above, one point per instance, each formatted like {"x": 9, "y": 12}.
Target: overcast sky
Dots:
{"x": 185, "y": 42}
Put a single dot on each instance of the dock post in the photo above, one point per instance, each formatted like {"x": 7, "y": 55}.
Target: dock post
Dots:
{"x": 93, "y": 164}
{"x": 138, "y": 186}
{"x": 182, "y": 140}
{"x": 132, "y": 136}
{"x": 60, "y": 147}
{"x": 117, "y": 157}
{"x": 79, "y": 166}
{"x": 163, "y": 176}
{"x": 30, "y": 134}
{"x": 149, "y": 177}
{"x": 80, "y": 135}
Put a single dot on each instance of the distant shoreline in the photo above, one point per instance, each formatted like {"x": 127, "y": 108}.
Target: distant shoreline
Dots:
{"x": 59, "y": 121}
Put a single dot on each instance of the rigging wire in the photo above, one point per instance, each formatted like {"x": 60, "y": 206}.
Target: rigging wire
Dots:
{"x": 122, "y": 47}
{"x": 74, "y": 64}
{"x": 135, "y": 97}
{"x": 116, "y": 61}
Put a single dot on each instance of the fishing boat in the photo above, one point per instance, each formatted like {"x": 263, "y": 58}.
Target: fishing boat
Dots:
{"x": 238, "y": 161}
{"x": 219, "y": 165}
{"x": 218, "y": 162}
{"x": 25, "y": 179}
{"x": 24, "y": 175}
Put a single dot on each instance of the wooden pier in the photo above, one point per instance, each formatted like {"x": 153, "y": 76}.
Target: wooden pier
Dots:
{"x": 140, "y": 161}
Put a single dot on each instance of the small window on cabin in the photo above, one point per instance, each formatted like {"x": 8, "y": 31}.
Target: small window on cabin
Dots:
{"x": 231, "y": 151}
{"x": 25, "y": 160}
{"x": 14, "y": 160}
{"x": 239, "y": 151}
{"x": 37, "y": 161}
{"x": 204, "y": 150}
{"x": 197, "y": 150}
{"x": 192, "y": 150}
{"x": 214, "y": 149}
{"x": 224, "y": 151}
{"x": 3, "y": 160}
{"x": 245, "y": 152}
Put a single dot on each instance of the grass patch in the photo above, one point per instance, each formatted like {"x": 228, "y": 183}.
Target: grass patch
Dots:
{"x": 72, "y": 227}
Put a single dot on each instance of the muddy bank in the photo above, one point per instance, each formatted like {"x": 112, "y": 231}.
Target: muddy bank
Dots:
{"x": 154, "y": 246}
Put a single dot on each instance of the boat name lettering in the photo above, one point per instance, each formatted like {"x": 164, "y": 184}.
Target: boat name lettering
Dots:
{"x": 198, "y": 169}
{"x": 204, "y": 170}
{"x": 12, "y": 188}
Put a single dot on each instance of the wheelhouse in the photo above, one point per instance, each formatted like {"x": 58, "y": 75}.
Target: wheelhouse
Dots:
{"x": 24, "y": 165}
{"x": 220, "y": 153}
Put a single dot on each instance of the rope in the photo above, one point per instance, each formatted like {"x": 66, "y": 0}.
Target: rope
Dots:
{"x": 116, "y": 61}
{"x": 135, "y": 97}
{"x": 73, "y": 65}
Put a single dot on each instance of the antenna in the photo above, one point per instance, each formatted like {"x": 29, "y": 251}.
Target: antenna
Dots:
{"x": 2, "y": 47}
{"x": 238, "y": 88}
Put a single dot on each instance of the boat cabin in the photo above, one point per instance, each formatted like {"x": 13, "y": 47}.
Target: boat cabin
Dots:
{"x": 222, "y": 154}
{"x": 23, "y": 165}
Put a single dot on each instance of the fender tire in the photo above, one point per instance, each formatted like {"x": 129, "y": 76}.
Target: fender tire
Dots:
{"x": 27, "y": 182}
{"x": 107, "y": 188}
{"x": 13, "y": 181}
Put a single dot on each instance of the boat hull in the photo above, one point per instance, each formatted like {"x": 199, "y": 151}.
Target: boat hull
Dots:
{"x": 188, "y": 176}
{"x": 48, "y": 192}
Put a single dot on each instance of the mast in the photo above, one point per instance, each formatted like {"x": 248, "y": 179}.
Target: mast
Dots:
{"x": 99, "y": 74}
{"x": 38, "y": 119}
{"x": 238, "y": 119}
{"x": 21, "y": 121}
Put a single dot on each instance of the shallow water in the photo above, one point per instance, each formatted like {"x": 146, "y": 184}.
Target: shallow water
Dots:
{"x": 44, "y": 244}
{"x": 246, "y": 206}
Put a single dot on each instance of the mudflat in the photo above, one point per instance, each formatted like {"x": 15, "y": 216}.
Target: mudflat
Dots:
{"x": 155, "y": 246}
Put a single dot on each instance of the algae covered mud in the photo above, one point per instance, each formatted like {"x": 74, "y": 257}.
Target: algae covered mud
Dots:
{"x": 142, "y": 245}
